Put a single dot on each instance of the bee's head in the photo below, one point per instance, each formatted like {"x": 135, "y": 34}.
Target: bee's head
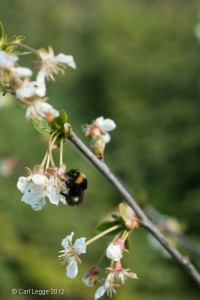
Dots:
{"x": 73, "y": 173}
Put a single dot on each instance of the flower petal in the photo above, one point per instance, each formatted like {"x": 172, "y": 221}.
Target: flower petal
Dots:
{"x": 108, "y": 125}
{"x": 30, "y": 89}
{"x": 38, "y": 205}
{"x": 39, "y": 179}
{"x": 99, "y": 120}
{"x": 21, "y": 183}
{"x": 86, "y": 280}
{"x": 72, "y": 270}
{"x": 26, "y": 199}
{"x": 66, "y": 59}
{"x": 41, "y": 76}
{"x": 106, "y": 137}
{"x": 22, "y": 72}
{"x": 114, "y": 252}
{"x": 34, "y": 191}
{"x": 66, "y": 240}
{"x": 7, "y": 60}
{"x": 41, "y": 109}
{"x": 53, "y": 192}
{"x": 100, "y": 292}
{"x": 79, "y": 246}
{"x": 132, "y": 275}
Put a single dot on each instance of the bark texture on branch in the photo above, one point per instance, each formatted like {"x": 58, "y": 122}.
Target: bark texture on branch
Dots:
{"x": 183, "y": 261}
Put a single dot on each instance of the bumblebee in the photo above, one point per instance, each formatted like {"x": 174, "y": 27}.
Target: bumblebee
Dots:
{"x": 76, "y": 183}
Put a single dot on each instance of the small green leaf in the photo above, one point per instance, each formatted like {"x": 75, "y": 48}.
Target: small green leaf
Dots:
{"x": 3, "y": 41}
{"x": 122, "y": 210}
{"x": 13, "y": 39}
{"x": 108, "y": 224}
{"x": 42, "y": 126}
{"x": 127, "y": 244}
{"x": 58, "y": 123}
{"x": 16, "y": 38}
{"x": 63, "y": 116}
{"x": 115, "y": 216}
{"x": 1, "y": 31}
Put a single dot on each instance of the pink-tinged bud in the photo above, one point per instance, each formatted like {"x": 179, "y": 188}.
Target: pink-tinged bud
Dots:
{"x": 38, "y": 169}
{"x": 120, "y": 242}
{"x": 95, "y": 130}
{"x": 52, "y": 171}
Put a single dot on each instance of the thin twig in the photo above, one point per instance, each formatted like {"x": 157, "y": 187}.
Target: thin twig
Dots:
{"x": 183, "y": 261}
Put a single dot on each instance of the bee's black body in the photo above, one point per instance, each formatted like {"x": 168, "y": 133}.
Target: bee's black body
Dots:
{"x": 76, "y": 184}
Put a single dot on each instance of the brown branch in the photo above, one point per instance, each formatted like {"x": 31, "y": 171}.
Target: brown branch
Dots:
{"x": 183, "y": 261}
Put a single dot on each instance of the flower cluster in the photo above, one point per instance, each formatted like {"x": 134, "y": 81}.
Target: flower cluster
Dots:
{"x": 38, "y": 186}
{"x": 32, "y": 93}
{"x": 98, "y": 131}
{"x": 116, "y": 274}
{"x": 51, "y": 182}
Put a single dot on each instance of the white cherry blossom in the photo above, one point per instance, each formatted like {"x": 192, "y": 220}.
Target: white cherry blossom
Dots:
{"x": 29, "y": 89}
{"x": 34, "y": 189}
{"x": 118, "y": 274}
{"x": 40, "y": 109}
{"x": 71, "y": 253}
{"x": 7, "y": 60}
{"x": 108, "y": 287}
{"x": 100, "y": 128}
{"x": 51, "y": 64}
{"x": 8, "y": 68}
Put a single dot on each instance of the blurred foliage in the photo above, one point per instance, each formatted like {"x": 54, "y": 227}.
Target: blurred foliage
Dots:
{"x": 139, "y": 64}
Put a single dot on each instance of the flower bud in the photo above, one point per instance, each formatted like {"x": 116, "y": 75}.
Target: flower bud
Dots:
{"x": 67, "y": 129}
{"x": 98, "y": 147}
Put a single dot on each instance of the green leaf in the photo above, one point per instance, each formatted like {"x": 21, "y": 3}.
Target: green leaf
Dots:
{"x": 42, "y": 126}
{"x": 108, "y": 224}
{"x": 1, "y": 31}
{"x": 127, "y": 244}
{"x": 16, "y": 38}
{"x": 122, "y": 210}
{"x": 63, "y": 117}
{"x": 3, "y": 37}
{"x": 58, "y": 123}
{"x": 13, "y": 39}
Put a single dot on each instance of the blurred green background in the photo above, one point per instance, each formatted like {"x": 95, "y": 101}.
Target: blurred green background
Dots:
{"x": 138, "y": 63}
